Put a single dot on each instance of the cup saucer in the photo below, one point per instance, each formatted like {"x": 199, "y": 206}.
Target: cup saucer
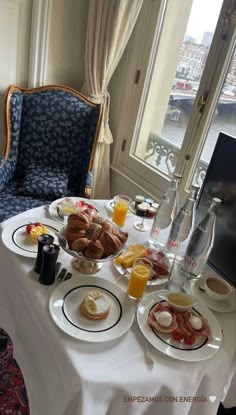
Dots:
{"x": 221, "y": 306}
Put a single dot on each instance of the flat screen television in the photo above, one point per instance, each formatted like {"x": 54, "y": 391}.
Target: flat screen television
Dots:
{"x": 220, "y": 181}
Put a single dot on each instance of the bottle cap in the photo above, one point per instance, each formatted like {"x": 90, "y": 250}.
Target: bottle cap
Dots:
{"x": 195, "y": 187}
{"x": 216, "y": 200}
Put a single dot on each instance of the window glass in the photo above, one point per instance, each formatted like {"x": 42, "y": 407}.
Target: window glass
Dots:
{"x": 179, "y": 65}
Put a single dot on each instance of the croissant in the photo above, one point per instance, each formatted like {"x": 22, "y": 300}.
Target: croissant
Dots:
{"x": 94, "y": 250}
{"x": 96, "y": 238}
{"x": 78, "y": 221}
{"x": 79, "y": 245}
{"x": 111, "y": 244}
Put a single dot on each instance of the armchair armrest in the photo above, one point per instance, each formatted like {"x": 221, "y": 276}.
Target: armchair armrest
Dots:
{"x": 88, "y": 185}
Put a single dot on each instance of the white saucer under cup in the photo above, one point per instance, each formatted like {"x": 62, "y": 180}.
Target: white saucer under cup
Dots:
{"x": 225, "y": 306}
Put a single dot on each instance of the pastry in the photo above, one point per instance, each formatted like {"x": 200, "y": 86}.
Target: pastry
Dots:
{"x": 93, "y": 231}
{"x": 106, "y": 227}
{"x": 78, "y": 221}
{"x": 95, "y": 305}
{"x": 79, "y": 245}
{"x": 73, "y": 236}
{"x": 105, "y": 238}
{"x": 111, "y": 244}
{"x": 94, "y": 250}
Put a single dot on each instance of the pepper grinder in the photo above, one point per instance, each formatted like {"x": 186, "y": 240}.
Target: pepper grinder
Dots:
{"x": 42, "y": 240}
{"x": 48, "y": 271}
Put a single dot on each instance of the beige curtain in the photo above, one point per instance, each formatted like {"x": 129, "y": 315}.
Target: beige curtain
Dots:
{"x": 110, "y": 24}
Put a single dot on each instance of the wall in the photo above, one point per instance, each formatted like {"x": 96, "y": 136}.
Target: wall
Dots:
{"x": 15, "y": 20}
{"x": 66, "y": 46}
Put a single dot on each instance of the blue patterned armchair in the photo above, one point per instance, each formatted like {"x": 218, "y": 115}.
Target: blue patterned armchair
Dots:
{"x": 51, "y": 136}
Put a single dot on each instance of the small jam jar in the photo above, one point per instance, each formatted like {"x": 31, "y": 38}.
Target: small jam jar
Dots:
{"x": 151, "y": 212}
{"x": 142, "y": 209}
{"x": 149, "y": 201}
{"x": 155, "y": 206}
{"x": 138, "y": 200}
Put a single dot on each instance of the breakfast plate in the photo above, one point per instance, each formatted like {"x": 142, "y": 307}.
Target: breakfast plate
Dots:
{"x": 225, "y": 306}
{"x": 64, "y": 309}
{"x": 55, "y": 213}
{"x": 126, "y": 273}
{"x": 16, "y": 239}
{"x": 202, "y": 349}
{"x": 161, "y": 264}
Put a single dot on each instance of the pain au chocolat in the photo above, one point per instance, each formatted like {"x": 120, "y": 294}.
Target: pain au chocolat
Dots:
{"x": 95, "y": 237}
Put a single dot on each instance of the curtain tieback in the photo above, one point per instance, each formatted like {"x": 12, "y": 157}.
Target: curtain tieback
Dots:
{"x": 104, "y": 99}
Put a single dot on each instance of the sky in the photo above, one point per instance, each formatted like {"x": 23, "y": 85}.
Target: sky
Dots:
{"x": 203, "y": 17}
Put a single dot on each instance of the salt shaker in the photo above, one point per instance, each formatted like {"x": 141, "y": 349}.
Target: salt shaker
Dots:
{"x": 48, "y": 271}
{"x": 42, "y": 240}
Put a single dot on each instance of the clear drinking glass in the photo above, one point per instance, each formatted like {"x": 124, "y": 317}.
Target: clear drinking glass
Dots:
{"x": 121, "y": 206}
{"x": 141, "y": 272}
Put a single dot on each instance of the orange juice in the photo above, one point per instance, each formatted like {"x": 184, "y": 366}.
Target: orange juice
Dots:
{"x": 120, "y": 210}
{"x": 138, "y": 279}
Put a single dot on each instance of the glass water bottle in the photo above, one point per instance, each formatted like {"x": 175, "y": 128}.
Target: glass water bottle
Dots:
{"x": 166, "y": 212}
{"x": 201, "y": 243}
{"x": 182, "y": 225}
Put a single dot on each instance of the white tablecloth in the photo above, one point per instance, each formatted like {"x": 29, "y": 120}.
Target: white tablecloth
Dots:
{"x": 66, "y": 376}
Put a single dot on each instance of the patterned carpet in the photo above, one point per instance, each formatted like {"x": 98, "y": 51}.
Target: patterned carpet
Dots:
{"x": 13, "y": 396}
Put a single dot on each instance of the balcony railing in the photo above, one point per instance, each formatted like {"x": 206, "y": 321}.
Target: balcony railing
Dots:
{"x": 164, "y": 155}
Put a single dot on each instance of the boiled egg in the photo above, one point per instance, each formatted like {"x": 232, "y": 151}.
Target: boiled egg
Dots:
{"x": 164, "y": 318}
{"x": 195, "y": 322}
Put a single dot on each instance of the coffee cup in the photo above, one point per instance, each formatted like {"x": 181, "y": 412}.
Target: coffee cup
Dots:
{"x": 217, "y": 289}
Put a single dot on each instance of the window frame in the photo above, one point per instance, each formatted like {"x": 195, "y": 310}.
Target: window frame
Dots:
{"x": 218, "y": 61}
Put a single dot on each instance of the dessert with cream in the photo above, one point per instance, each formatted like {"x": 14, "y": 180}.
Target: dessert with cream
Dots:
{"x": 70, "y": 205}
{"x": 95, "y": 305}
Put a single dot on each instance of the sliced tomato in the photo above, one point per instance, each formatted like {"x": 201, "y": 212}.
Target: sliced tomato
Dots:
{"x": 177, "y": 334}
{"x": 189, "y": 339}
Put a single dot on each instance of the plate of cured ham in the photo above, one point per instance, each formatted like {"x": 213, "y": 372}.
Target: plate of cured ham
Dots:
{"x": 191, "y": 335}
{"x": 161, "y": 264}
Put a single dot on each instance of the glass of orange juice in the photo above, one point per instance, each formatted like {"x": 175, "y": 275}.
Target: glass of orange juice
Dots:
{"x": 141, "y": 272}
{"x": 121, "y": 206}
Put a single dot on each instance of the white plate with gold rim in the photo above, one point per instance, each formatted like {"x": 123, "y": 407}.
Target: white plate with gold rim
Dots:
{"x": 15, "y": 237}
{"x": 201, "y": 350}
{"x": 54, "y": 212}
{"x": 64, "y": 309}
